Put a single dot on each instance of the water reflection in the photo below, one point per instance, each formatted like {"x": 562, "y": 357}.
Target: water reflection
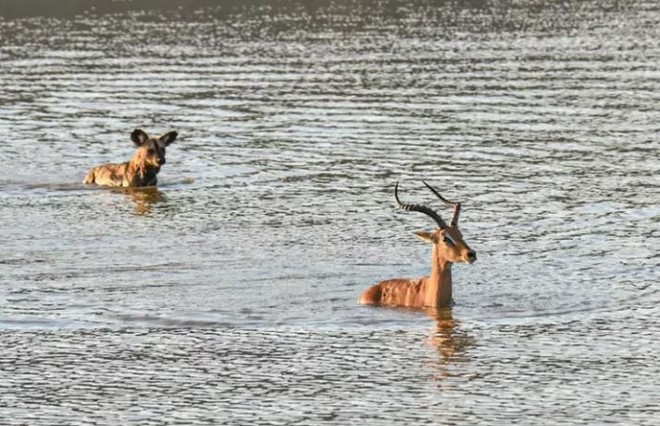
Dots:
{"x": 144, "y": 198}
{"x": 191, "y": 8}
{"x": 449, "y": 338}
{"x": 266, "y": 17}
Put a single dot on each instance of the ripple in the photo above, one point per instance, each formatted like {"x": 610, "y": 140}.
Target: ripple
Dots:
{"x": 230, "y": 291}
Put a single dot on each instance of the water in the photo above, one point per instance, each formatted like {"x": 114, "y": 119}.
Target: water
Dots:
{"x": 228, "y": 294}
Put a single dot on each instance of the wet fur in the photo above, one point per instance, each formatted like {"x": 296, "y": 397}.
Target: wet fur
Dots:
{"x": 396, "y": 292}
{"x": 141, "y": 170}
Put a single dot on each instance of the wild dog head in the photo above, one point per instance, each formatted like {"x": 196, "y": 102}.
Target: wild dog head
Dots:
{"x": 151, "y": 150}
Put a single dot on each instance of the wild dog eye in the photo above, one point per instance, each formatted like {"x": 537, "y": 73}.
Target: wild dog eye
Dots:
{"x": 151, "y": 151}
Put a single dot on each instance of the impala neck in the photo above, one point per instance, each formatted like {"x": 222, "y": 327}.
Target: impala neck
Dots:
{"x": 438, "y": 284}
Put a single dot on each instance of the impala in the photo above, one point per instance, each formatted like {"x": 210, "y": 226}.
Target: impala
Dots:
{"x": 142, "y": 169}
{"x": 434, "y": 291}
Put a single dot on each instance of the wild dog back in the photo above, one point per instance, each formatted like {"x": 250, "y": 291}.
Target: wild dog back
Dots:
{"x": 141, "y": 170}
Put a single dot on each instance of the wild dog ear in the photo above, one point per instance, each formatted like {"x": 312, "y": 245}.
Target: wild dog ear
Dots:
{"x": 427, "y": 236}
{"x": 168, "y": 137}
{"x": 139, "y": 137}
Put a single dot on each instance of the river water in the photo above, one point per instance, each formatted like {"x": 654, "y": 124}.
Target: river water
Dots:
{"x": 228, "y": 294}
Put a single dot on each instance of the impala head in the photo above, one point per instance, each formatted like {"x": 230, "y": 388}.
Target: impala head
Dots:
{"x": 151, "y": 150}
{"x": 447, "y": 239}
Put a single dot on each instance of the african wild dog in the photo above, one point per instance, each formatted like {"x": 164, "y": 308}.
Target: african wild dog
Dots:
{"x": 142, "y": 169}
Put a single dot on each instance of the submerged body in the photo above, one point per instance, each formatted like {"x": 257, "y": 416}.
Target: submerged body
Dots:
{"x": 124, "y": 174}
{"x": 395, "y": 292}
{"x": 434, "y": 291}
{"x": 141, "y": 170}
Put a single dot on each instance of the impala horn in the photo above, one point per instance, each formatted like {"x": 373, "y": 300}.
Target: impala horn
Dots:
{"x": 456, "y": 205}
{"x": 419, "y": 208}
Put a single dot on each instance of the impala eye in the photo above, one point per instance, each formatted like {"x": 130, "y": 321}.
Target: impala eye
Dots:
{"x": 448, "y": 241}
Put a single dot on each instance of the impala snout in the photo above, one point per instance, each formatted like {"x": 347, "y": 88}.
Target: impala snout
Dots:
{"x": 471, "y": 256}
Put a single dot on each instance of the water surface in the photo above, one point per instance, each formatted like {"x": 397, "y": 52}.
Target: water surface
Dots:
{"x": 228, "y": 293}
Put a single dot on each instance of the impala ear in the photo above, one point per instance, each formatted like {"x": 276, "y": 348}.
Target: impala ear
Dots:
{"x": 427, "y": 236}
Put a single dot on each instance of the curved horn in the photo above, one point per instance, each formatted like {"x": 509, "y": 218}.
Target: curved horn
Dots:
{"x": 454, "y": 204}
{"x": 418, "y": 208}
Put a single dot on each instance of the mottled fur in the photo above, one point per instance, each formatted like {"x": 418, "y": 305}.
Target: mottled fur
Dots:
{"x": 141, "y": 170}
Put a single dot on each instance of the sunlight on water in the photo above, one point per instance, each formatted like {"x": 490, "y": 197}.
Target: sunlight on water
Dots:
{"x": 229, "y": 292}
